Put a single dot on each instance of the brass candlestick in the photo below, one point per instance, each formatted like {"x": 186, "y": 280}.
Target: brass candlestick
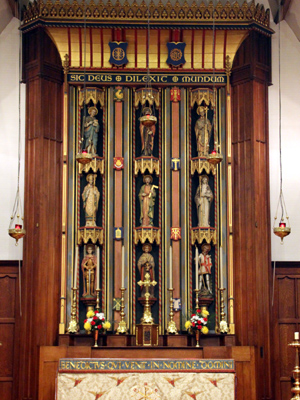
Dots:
{"x": 223, "y": 326}
{"x": 197, "y": 291}
{"x": 296, "y": 371}
{"x": 171, "y": 324}
{"x": 98, "y": 299}
{"x": 122, "y": 328}
{"x": 73, "y": 325}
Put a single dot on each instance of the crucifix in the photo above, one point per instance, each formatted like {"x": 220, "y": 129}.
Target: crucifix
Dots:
{"x": 147, "y": 316}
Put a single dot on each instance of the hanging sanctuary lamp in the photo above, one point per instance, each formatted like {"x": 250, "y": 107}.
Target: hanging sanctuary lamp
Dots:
{"x": 283, "y": 229}
{"x": 16, "y": 227}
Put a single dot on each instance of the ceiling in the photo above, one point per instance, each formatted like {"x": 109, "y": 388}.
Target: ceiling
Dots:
{"x": 290, "y": 12}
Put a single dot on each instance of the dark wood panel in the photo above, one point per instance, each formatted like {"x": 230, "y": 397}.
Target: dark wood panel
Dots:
{"x": 287, "y": 355}
{"x": 6, "y": 390}
{"x": 285, "y": 319}
{"x": 287, "y": 298}
{"x": 43, "y": 188}
{"x": 7, "y": 336}
{"x": 9, "y": 329}
{"x": 7, "y": 295}
{"x": 251, "y": 222}
{"x": 285, "y": 390}
{"x": 49, "y": 369}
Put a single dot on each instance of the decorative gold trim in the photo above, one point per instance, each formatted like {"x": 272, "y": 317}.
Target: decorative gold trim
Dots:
{"x": 228, "y": 97}
{"x": 146, "y": 163}
{"x": 128, "y": 177}
{"x": 200, "y": 165}
{"x": 158, "y": 13}
{"x": 185, "y": 249}
{"x": 89, "y": 233}
{"x": 230, "y": 287}
{"x": 93, "y": 94}
{"x": 66, "y": 64}
{"x": 97, "y": 164}
{"x": 165, "y": 201}
{"x": 143, "y": 234}
{"x": 146, "y": 95}
{"x": 230, "y": 198}
{"x": 63, "y": 305}
{"x": 65, "y": 124}
{"x": 63, "y": 268}
{"x": 201, "y": 234}
{"x": 199, "y": 96}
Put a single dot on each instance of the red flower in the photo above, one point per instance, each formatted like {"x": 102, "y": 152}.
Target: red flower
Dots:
{"x": 205, "y": 319}
{"x": 85, "y": 321}
{"x": 193, "y": 324}
{"x": 199, "y": 327}
{"x": 93, "y": 323}
{"x": 198, "y": 311}
{"x": 193, "y": 315}
{"x": 94, "y": 317}
{"x": 99, "y": 326}
{"x": 102, "y": 319}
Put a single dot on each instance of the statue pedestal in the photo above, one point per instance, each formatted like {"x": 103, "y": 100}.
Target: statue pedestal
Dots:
{"x": 89, "y": 302}
{"x": 146, "y": 335}
{"x": 151, "y": 301}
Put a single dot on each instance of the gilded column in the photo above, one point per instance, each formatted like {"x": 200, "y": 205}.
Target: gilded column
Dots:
{"x": 118, "y": 191}
{"x": 175, "y": 195}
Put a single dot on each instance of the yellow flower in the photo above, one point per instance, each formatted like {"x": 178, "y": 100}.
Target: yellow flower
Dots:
{"x": 106, "y": 325}
{"x": 90, "y": 314}
{"x": 187, "y": 324}
{"x": 205, "y": 312}
{"x": 87, "y": 326}
{"x": 204, "y": 330}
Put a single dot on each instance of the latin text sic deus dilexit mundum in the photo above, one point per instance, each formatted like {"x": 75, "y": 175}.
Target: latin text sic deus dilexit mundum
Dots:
{"x": 153, "y": 78}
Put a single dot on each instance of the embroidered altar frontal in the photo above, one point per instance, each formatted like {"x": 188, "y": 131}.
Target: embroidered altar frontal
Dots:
{"x": 122, "y": 379}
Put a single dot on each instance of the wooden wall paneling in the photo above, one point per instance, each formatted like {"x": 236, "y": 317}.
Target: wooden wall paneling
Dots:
{"x": 251, "y": 224}
{"x": 286, "y": 321}
{"x": 42, "y": 73}
{"x": 48, "y": 364}
{"x": 9, "y": 329}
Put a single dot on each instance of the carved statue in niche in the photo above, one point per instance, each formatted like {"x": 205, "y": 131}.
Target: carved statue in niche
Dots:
{"x": 147, "y": 197}
{"x": 146, "y": 264}
{"x": 88, "y": 267}
{"x": 90, "y": 197}
{"x": 147, "y": 135}
{"x": 203, "y": 129}
{"x": 205, "y": 270}
{"x": 203, "y": 200}
{"x": 91, "y": 129}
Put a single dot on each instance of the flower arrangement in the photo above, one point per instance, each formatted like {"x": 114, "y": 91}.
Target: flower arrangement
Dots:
{"x": 198, "y": 322}
{"x": 96, "y": 321}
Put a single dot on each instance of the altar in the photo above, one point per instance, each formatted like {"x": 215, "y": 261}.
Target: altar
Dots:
{"x": 124, "y": 379}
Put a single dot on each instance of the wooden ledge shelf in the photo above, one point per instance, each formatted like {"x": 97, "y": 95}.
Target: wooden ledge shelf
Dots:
{"x": 164, "y": 341}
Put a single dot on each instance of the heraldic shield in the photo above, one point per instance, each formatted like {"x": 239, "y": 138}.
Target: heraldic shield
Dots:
{"x": 176, "y": 53}
{"x": 118, "y": 53}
